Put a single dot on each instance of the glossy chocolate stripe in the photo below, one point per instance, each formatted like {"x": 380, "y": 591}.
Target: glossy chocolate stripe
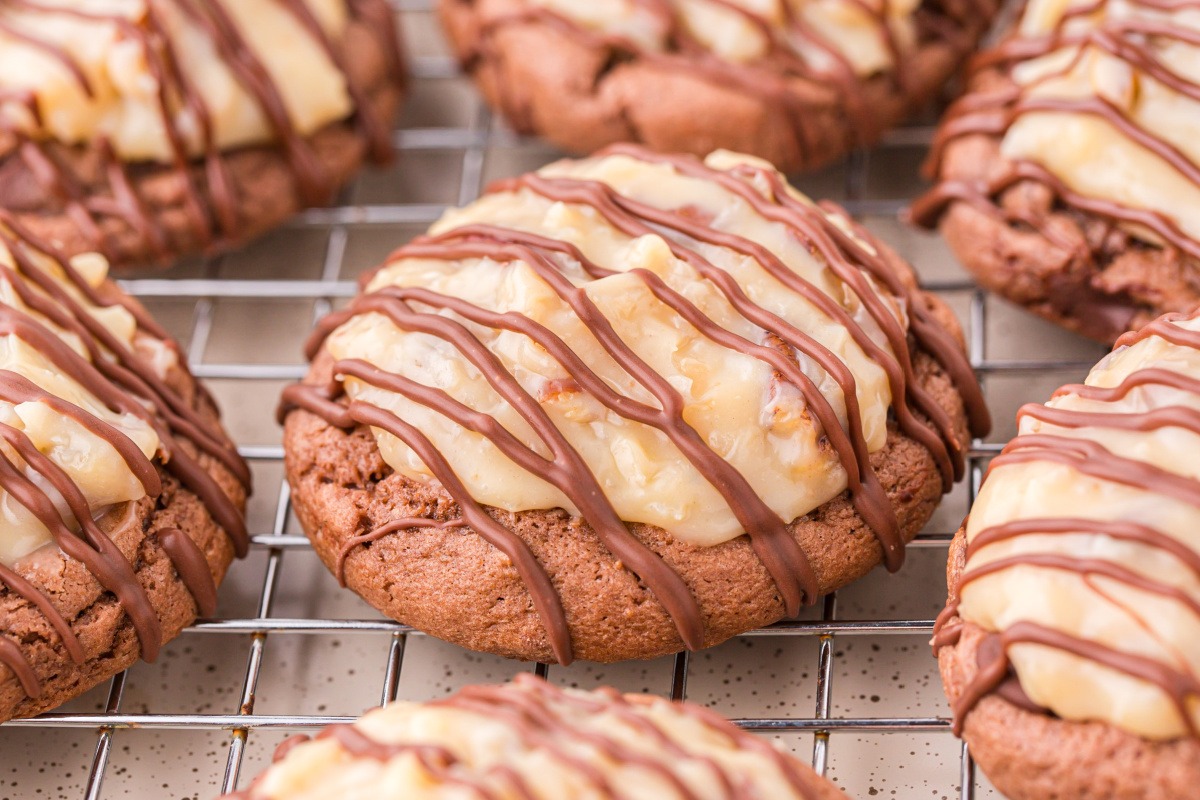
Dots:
{"x": 1154, "y": 376}
{"x": 1161, "y": 417}
{"x": 769, "y": 535}
{"x": 387, "y": 529}
{"x": 180, "y": 464}
{"x": 16, "y": 388}
{"x": 129, "y": 371}
{"x": 539, "y": 727}
{"x": 542, "y": 592}
{"x": 1091, "y": 458}
{"x": 598, "y": 741}
{"x": 721, "y": 475}
{"x": 1083, "y": 566}
{"x": 311, "y": 179}
{"x": 1180, "y": 687}
{"x": 13, "y": 657}
{"x": 17, "y": 583}
{"x": 1123, "y": 530}
{"x": 192, "y": 566}
{"x": 667, "y": 585}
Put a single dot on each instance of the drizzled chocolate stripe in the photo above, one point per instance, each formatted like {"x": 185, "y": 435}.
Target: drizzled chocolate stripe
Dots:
{"x": 1181, "y": 688}
{"x": 1089, "y": 458}
{"x": 994, "y": 112}
{"x": 211, "y": 205}
{"x": 772, "y": 75}
{"x": 387, "y": 529}
{"x": 121, "y": 380}
{"x": 192, "y": 565}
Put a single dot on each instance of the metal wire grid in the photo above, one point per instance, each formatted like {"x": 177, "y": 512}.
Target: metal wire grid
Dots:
{"x": 474, "y": 141}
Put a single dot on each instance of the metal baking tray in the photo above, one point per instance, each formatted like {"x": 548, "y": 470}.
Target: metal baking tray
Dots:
{"x": 851, "y": 685}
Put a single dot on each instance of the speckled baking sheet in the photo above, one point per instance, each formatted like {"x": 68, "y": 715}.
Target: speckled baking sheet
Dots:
{"x": 853, "y": 687}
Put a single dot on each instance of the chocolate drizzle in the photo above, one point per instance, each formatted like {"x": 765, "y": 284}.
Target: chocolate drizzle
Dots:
{"x": 121, "y": 379}
{"x": 1090, "y": 458}
{"x": 993, "y": 111}
{"x": 414, "y": 309}
{"x": 774, "y": 74}
{"x": 211, "y": 197}
{"x": 543, "y": 718}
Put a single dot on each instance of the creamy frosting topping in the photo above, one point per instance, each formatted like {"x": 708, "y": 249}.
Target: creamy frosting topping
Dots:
{"x": 758, "y": 423}
{"x": 866, "y": 35}
{"x": 89, "y": 459}
{"x": 71, "y": 71}
{"x": 1101, "y": 548}
{"x": 529, "y": 740}
{"x": 1112, "y": 105}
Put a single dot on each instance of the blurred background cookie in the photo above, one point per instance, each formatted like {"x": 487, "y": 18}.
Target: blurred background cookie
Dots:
{"x": 121, "y": 496}
{"x": 528, "y": 740}
{"x": 627, "y": 405}
{"x": 797, "y": 83}
{"x": 1069, "y": 175}
{"x": 151, "y": 129}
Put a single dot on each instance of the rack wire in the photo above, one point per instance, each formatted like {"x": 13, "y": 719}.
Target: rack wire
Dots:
{"x": 873, "y": 186}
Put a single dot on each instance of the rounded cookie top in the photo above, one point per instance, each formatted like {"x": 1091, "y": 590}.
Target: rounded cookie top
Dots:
{"x": 1079, "y": 127}
{"x": 528, "y": 740}
{"x": 95, "y": 420}
{"x": 1082, "y": 554}
{"x": 807, "y": 81}
{"x": 638, "y": 338}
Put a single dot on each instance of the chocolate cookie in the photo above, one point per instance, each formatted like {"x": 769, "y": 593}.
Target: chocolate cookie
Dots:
{"x": 799, "y": 84}
{"x": 627, "y": 405}
{"x": 528, "y": 740}
{"x": 1069, "y": 175}
{"x": 1068, "y": 647}
{"x": 151, "y": 130}
{"x": 122, "y": 497}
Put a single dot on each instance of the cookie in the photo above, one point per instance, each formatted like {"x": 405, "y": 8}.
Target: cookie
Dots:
{"x": 527, "y": 740}
{"x": 1068, "y": 648}
{"x": 623, "y": 406}
{"x": 1068, "y": 175}
{"x": 154, "y": 129}
{"x": 798, "y": 84}
{"x": 122, "y": 497}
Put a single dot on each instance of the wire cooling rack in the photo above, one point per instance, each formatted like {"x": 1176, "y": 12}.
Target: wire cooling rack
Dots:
{"x": 292, "y": 652}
